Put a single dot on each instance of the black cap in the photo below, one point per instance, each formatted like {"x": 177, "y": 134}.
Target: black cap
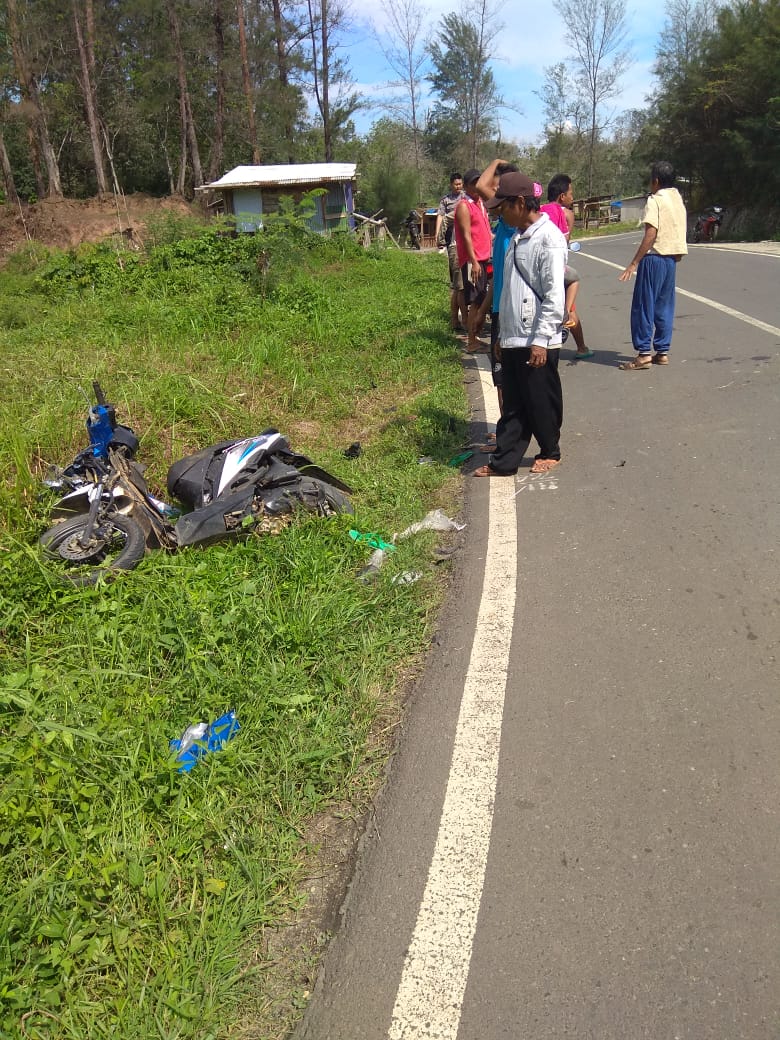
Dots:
{"x": 471, "y": 175}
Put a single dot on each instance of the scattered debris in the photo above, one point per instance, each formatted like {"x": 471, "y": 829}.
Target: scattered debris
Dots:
{"x": 460, "y": 459}
{"x": 406, "y": 578}
{"x": 425, "y": 460}
{"x": 436, "y": 520}
{"x": 353, "y": 451}
{"x": 371, "y": 571}
{"x": 371, "y": 539}
{"x": 201, "y": 737}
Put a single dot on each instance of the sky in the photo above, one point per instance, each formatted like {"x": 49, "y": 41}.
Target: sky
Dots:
{"x": 519, "y": 63}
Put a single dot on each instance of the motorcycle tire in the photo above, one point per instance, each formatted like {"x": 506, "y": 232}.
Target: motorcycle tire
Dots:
{"x": 118, "y": 544}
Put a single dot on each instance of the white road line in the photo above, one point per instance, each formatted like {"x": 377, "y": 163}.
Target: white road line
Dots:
{"x": 773, "y": 330}
{"x": 430, "y": 995}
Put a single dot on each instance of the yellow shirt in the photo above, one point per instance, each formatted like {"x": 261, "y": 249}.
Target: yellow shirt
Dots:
{"x": 665, "y": 211}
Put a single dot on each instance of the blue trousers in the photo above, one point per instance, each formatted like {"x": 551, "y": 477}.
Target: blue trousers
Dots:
{"x": 652, "y": 306}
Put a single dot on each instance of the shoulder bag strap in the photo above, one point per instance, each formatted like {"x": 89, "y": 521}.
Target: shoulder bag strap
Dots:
{"x": 523, "y": 275}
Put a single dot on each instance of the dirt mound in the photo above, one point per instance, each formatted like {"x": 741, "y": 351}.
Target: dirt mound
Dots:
{"x": 63, "y": 223}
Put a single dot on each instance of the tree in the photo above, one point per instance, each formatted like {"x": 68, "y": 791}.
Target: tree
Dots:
{"x": 405, "y": 50}
{"x": 463, "y": 79}
{"x": 86, "y": 49}
{"x": 189, "y": 135}
{"x": 563, "y": 119}
{"x": 248, "y": 91}
{"x": 681, "y": 39}
{"x": 331, "y": 79}
{"x": 601, "y": 58}
{"x": 40, "y": 142}
{"x": 389, "y": 179}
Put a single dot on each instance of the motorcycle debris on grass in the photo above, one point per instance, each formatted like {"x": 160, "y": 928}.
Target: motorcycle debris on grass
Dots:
{"x": 107, "y": 519}
{"x": 435, "y": 520}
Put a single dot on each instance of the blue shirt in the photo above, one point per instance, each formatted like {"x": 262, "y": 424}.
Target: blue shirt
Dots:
{"x": 503, "y": 236}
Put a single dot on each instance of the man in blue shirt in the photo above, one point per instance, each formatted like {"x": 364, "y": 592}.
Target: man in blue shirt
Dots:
{"x": 502, "y": 233}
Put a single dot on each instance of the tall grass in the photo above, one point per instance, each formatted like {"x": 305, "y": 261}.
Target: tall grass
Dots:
{"x": 130, "y": 892}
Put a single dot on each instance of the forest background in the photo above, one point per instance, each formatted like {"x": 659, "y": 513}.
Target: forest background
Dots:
{"x": 160, "y": 96}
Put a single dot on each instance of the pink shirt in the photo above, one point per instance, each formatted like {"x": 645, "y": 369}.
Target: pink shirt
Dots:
{"x": 557, "y": 215}
{"x": 481, "y": 238}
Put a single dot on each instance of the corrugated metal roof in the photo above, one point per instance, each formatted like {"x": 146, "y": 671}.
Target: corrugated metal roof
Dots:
{"x": 299, "y": 173}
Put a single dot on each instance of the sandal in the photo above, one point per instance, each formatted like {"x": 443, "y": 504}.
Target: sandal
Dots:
{"x": 544, "y": 465}
{"x": 488, "y": 471}
{"x": 636, "y": 365}
{"x": 660, "y": 359}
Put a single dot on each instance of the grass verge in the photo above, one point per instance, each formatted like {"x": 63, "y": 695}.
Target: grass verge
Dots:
{"x": 132, "y": 894}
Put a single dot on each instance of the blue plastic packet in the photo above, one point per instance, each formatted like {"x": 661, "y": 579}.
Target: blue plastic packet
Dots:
{"x": 199, "y": 739}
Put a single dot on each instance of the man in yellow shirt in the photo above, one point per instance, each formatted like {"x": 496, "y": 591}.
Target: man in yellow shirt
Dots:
{"x": 655, "y": 261}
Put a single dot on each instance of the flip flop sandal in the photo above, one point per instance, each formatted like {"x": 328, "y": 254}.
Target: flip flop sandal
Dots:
{"x": 660, "y": 359}
{"x": 544, "y": 465}
{"x": 488, "y": 471}
{"x": 635, "y": 366}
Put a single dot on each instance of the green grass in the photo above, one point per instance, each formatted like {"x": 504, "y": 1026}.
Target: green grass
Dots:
{"x": 132, "y": 894}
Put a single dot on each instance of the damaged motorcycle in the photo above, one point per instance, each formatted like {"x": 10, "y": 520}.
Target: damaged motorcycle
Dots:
{"x": 107, "y": 519}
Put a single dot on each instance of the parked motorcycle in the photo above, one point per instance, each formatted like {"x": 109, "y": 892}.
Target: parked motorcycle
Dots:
{"x": 708, "y": 224}
{"x": 412, "y": 225}
{"x": 107, "y": 518}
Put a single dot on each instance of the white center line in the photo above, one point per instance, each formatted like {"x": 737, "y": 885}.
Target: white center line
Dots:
{"x": 430, "y": 995}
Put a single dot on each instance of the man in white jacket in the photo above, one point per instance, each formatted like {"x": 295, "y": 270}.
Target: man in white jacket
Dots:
{"x": 530, "y": 317}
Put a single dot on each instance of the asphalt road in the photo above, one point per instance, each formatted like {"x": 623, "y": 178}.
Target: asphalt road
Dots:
{"x": 626, "y": 883}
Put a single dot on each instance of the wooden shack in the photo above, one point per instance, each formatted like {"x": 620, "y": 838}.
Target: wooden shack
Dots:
{"x": 249, "y": 192}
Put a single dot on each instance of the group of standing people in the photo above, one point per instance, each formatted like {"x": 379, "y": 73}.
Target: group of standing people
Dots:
{"x": 519, "y": 270}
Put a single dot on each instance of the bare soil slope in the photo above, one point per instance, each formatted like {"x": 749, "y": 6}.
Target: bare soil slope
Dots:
{"x": 63, "y": 223}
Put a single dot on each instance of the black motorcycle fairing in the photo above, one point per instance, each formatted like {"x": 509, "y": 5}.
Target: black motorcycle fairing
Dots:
{"x": 194, "y": 480}
{"x": 236, "y": 514}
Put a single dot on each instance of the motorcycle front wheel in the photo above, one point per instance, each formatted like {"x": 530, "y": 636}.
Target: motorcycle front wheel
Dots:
{"x": 117, "y": 543}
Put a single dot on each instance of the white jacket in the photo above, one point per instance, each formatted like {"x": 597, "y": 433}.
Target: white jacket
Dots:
{"x": 525, "y": 318}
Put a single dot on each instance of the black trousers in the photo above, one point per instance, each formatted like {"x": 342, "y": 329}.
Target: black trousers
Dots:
{"x": 533, "y": 407}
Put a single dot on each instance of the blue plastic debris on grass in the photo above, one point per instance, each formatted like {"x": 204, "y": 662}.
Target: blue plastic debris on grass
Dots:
{"x": 201, "y": 738}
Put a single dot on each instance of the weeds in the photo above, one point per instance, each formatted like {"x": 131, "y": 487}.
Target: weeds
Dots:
{"x": 130, "y": 892}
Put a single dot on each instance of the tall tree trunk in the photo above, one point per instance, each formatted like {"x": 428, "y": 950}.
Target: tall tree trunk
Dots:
{"x": 35, "y": 159}
{"x": 321, "y": 72}
{"x": 250, "y": 104}
{"x": 284, "y": 79}
{"x": 8, "y": 173}
{"x": 327, "y": 128}
{"x": 88, "y": 90}
{"x": 185, "y": 105}
{"x": 29, "y": 90}
{"x": 217, "y": 150}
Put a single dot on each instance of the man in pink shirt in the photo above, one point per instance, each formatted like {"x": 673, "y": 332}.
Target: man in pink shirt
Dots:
{"x": 474, "y": 242}
{"x": 560, "y": 195}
